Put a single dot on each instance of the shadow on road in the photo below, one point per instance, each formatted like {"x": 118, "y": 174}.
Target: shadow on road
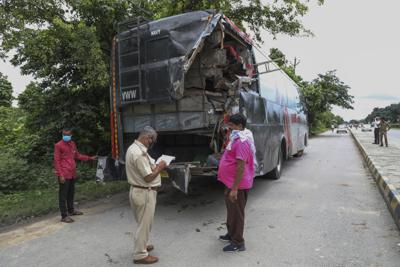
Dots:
{"x": 204, "y": 191}
{"x": 329, "y": 135}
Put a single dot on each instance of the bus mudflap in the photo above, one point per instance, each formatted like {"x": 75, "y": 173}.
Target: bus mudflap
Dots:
{"x": 180, "y": 174}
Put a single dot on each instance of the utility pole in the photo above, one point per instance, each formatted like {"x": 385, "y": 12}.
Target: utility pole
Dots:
{"x": 296, "y": 62}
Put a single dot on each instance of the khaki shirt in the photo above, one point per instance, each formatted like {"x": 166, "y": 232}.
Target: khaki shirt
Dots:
{"x": 139, "y": 164}
{"x": 384, "y": 126}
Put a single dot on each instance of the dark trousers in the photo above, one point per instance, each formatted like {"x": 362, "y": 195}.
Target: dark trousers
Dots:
{"x": 376, "y": 135}
{"x": 66, "y": 197}
{"x": 235, "y": 216}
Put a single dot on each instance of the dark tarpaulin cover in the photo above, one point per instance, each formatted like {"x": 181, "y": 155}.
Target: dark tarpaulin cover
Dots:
{"x": 165, "y": 46}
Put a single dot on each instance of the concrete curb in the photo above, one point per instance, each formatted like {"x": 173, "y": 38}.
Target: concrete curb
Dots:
{"x": 388, "y": 191}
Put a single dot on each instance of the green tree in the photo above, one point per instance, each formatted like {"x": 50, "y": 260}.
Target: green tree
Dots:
{"x": 16, "y": 142}
{"x": 16, "y": 137}
{"x": 280, "y": 16}
{"x": 278, "y": 57}
{"x": 5, "y": 92}
{"x": 52, "y": 110}
{"x": 338, "y": 119}
{"x": 11, "y": 127}
{"x": 319, "y": 95}
{"x": 66, "y": 45}
{"x": 391, "y": 113}
{"x": 324, "y": 92}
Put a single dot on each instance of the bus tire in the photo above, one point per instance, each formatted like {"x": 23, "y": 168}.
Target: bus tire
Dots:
{"x": 276, "y": 173}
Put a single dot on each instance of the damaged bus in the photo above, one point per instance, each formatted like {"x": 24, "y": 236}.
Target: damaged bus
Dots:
{"x": 185, "y": 75}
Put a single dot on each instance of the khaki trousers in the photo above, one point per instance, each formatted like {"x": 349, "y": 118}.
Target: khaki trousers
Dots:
{"x": 383, "y": 134}
{"x": 143, "y": 203}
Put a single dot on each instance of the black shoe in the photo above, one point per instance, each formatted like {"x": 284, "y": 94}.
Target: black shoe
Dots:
{"x": 67, "y": 220}
{"x": 75, "y": 213}
{"x": 234, "y": 248}
{"x": 225, "y": 238}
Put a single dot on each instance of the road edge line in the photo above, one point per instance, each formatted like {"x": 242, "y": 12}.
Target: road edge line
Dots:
{"x": 387, "y": 190}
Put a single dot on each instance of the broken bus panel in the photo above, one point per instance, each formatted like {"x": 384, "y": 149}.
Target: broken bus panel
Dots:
{"x": 185, "y": 75}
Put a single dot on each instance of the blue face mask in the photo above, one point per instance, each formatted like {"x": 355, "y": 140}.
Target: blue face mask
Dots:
{"x": 67, "y": 138}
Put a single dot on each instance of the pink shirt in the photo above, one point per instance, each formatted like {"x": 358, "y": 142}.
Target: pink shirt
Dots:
{"x": 227, "y": 165}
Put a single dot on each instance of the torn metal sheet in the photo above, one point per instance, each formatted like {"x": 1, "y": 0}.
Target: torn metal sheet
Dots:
{"x": 180, "y": 176}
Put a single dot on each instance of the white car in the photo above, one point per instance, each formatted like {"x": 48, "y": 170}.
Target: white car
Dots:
{"x": 342, "y": 128}
{"x": 366, "y": 128}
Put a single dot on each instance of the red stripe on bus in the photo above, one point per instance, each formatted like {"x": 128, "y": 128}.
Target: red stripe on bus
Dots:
{"x": 287, "y": 128}
{"x": 113, "y": 146}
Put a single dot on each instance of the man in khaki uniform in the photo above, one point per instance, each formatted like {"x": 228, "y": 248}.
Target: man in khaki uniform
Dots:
{"x": 384, "y": 127}
{"x": 144, "y": 177}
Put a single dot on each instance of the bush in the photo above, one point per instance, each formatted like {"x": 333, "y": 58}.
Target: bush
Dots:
{"x": 13, "y": 173}
{"x": 41, "y": 176}
{"x": 17, "y": 175}
{"x": 86, "y": 171}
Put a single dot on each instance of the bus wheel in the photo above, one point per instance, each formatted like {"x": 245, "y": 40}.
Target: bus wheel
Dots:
{"x": 276, "y": 173}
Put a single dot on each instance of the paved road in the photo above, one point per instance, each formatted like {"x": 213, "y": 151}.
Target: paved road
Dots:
{"x": 394, "y": 133}
{"x": 324, "y": 211}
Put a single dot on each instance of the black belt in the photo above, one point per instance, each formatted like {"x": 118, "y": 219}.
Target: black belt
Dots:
{"x": 155, "y": 188}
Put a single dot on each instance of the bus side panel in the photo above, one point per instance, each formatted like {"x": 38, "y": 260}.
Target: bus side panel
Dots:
{"x": 254, "y": 107}
{"x": 273, "y": 136}
{"x": 293, "y": 128}
{"x": 303, "y": 131}
{"x": 298, "y": 130}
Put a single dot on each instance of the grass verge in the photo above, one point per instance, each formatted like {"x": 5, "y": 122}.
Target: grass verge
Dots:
{"x": 28, "y": 204}
{"x": 317, "y": 131}
{"x": 395, "y": 125}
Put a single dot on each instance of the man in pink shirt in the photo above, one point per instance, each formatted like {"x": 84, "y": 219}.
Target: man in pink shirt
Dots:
{"x": 236, "y": 172}
{"x": 65, "y": 154}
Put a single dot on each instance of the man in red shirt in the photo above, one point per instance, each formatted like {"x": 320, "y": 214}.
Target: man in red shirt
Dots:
{"x": 65, "y": 154}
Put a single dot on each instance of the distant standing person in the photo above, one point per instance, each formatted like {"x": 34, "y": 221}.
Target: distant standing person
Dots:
{"x": 65, "y": 154}
{"x": 236, "y": 172}
{"x": 144, "y": 177}
{"x": 375, "y": 125}
{"x": 383, "y": 129}
{"x": 332, "y": 127}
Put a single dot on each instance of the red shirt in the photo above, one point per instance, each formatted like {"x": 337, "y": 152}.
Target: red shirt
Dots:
{"x": 65, "y": 154}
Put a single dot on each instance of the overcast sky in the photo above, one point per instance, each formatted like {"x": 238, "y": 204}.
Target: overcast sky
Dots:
{"x": 359, "y": 38}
